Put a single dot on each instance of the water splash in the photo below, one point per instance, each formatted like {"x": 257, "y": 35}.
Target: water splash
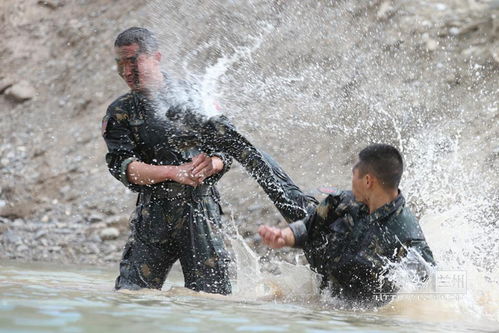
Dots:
{"x": 315, "y": 82}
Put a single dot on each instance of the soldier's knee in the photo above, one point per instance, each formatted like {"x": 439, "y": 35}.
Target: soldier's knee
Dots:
{"x": 122, "y": 283}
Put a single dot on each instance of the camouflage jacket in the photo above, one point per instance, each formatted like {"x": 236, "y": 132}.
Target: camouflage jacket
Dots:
{"x": 351, "y": 248}
{"x": 138, "y": 128}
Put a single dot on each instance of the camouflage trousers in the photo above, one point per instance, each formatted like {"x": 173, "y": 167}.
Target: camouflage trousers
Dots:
{"x": 185, "y": 226}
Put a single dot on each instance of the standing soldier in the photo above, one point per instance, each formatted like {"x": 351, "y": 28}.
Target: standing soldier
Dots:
{"x": 178, "y": 213}
{"x": 354, "y": 237}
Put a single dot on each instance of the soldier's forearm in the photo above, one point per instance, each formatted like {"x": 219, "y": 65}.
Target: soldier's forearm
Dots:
{"x": 146, "y": 174}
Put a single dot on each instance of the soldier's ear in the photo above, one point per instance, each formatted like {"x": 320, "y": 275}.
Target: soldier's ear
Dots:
{"x": 369, "y": 180}
{"x": 157, "y": 56}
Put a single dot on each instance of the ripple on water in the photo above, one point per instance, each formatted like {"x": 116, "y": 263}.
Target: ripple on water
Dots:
{"x": 39, "y": 306}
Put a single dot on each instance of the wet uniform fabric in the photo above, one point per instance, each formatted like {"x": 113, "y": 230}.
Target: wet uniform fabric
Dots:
{"x": 171, "y": 221}
{"x": 353, "y": 249}
{"x": 174, "y": 221}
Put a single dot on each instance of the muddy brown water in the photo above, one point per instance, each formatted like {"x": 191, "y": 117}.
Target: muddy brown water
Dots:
{"x": 39, "y": 297}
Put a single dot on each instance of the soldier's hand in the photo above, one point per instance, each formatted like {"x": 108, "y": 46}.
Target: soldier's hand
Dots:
{"x": 206, "y": 166}
{"x": 183, "y": 175}
{"x": 273, "y": 237}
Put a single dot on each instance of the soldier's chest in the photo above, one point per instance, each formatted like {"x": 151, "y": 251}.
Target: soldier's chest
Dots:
{"x": 165, "y": 138}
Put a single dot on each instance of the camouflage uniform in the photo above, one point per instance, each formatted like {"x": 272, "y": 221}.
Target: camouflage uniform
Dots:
{"x": 351, "y": 248}
{"x": 171, "y": 221}
{"x": 174, "y": 221}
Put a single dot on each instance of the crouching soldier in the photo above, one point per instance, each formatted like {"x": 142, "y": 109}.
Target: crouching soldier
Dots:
{"x": 354, "y": 237}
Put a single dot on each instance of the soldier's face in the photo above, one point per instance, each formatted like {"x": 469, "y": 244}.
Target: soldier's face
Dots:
{"x": 136, "y": 68}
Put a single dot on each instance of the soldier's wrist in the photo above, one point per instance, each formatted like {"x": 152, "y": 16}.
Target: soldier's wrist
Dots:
{"x": 170, "y": 172}
{"x": 289, "y": 237}
{"x": 300, "y": 234}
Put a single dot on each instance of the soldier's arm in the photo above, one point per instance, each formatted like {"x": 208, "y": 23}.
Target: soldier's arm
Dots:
{"x": 302, "y": 229}
{"x": 296, "y": 235}
{"x": 225, "y": 158}
{"x": 121, "y": 148}
{"x": 125, "y": 163}
{"x": 422, "y": 248}
{"x": 141, "y": 173}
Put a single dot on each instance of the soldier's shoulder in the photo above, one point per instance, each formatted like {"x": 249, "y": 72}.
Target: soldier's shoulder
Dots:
{"x": 120, "y": 108}
{"x": 405, "y": 225}
{"x": 335, "y": 195}
{"x": 120, "y": 104}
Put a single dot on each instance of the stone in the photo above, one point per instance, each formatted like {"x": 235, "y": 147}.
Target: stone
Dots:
{"x": 117, "y": 221}
{"x": 3, "y": 228}
{"x": 55, "y": 249}
{"x": 431, "y": 44}
{"x": 22, "y": 248}
{"x": 112, "y": 257}
{"x": 94, "y": 238}
{"x": 40, "y": 234}
{"x": 454, "y": 31}
{"x": 63, "y": 231}
{"x": 20, "y": 92}
{"x": 4, "y": 84}
{"x": 93, "y": 248}
{"x": 12, "y": 237}
{"x": 95, "y": 217}
{"x": 65, "y": 189}
{"x": 440, "y": 6}
{"x": 109, "y": 234}
{"x": 18, "y": 223}
{"x": 52, "y": 4}
{"x": 110, "y": 249}
{"x": 385, "y": 10}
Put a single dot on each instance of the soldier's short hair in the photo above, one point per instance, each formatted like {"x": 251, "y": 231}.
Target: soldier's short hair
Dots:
{"x": 384, "y": 162}
{"x": 144, "y": 38}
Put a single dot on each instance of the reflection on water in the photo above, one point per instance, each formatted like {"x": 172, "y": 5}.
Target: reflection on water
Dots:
{"x": 48, "y": 298}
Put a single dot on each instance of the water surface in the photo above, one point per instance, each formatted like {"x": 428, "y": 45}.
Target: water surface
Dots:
{"x": 39, "y": 297}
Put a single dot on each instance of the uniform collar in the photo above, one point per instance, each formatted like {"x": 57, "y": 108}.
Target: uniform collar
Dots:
{"x": 390, "y": 208}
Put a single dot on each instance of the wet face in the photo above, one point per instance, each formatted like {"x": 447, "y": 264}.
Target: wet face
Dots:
{"x": 139, "y": 70}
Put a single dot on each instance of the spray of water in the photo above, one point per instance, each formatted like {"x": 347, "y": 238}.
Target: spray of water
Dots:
{"x": 317, "y": 82}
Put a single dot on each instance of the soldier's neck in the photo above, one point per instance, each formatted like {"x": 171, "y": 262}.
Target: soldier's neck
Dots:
{"x": 153, "y": 90}
{"x": 380, "y": 197}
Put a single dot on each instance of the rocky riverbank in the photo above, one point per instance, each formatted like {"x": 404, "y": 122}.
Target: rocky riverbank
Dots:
{"x": 310, "y": 83}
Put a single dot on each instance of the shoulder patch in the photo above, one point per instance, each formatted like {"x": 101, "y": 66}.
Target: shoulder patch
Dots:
{"x": 329, "y": 190}
{"x": 104, "y": 124}
{"x": 121, "y": 116}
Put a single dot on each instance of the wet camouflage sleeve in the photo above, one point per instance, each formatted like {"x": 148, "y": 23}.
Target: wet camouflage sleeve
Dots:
{"x": 120, "y": 144}
{"x": 316, "y": 223}
{"x": 226, "y": 159}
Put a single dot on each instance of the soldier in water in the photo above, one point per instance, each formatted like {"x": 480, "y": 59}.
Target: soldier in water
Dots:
{"x": 353, "y": 237}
